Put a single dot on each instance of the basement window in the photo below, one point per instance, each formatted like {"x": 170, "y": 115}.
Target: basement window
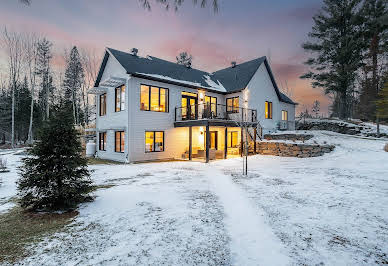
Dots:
{"x": 119, "y": 141}
{"x": 102, "y": 141}
{"x": 154, "y": 141}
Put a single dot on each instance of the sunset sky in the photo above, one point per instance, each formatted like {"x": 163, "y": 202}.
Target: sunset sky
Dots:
{"x": 240, "y": 31}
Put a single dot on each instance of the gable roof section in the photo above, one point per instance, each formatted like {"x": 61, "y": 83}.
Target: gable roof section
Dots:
{"x": 228, "y": 80}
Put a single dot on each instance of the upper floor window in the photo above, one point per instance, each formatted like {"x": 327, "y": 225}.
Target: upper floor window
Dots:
{"x": 232, "y": 105}
{"x": 284, "y": 115}
{"x": 153, "y": 98}
{"x": 119, "y": 141}
{"x": 154, "y": 141}
{"x": 211, "y": 103}
{"x": 102, "y": 141}
{"x": 103, "y": 104}
{"x": 268, "y": 110}
{"x": 120, "y": 98}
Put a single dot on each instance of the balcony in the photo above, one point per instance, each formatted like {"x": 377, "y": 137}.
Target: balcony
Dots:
{"x": 214, "y": 115}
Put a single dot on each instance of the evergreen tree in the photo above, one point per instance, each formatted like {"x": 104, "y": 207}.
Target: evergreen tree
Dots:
{"x": 72, "y": 83}
{"x": 22, "y": 117}
{"x": 337, "y": 47}
{"x": 55, "y": 175}
{"x": 316, "y": 108}
{"x": 375, "y": 55}
{"x": 184, "y": 59}
{"x": 382, "y": 102}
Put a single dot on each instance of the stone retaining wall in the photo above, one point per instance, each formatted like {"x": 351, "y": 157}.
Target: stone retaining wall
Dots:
{"x": 292, "y": 150}
{"x": 293, "y": 137}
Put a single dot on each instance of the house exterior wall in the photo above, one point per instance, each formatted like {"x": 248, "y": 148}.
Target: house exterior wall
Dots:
{"x": 112, "y": 121}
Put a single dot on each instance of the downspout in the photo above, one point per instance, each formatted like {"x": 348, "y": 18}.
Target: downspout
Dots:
{"x": 129, "y": 118}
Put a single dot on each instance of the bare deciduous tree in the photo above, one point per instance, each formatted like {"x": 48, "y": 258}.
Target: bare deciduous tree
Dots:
{"x": 175, "y": 4}
{"x": 14, "y": 47}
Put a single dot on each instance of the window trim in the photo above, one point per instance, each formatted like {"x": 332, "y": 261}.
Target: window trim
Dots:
{"x": 233, "y": 99}
{"x": 120, "y": 102}
{"x": 104, "y": 96}
{"x": 286, "y": 112}
{"x": 270, "y": 110}
{"x": 149, "y": 98}
{"x": 123, "y": 132}
{"x": 153, "y": 143}
{"x": 103, "y": 142}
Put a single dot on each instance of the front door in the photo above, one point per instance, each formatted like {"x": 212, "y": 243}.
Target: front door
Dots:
{"x": 189, "y": 107}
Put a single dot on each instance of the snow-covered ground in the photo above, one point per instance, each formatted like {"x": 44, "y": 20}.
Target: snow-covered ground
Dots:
{"x": 329, "y": 210}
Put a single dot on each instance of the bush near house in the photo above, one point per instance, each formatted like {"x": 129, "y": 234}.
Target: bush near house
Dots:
{"x": 55, "y": 176}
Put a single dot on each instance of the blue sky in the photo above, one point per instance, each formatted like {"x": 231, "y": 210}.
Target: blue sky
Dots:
{"x": 240, "y": 31}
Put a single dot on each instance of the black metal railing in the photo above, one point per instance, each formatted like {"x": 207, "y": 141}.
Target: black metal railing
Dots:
{"x": 215, "y": 111}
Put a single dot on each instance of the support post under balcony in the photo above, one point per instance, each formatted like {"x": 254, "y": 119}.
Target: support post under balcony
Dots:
{"x": 207, "y": 143}
{"x": 190, "y": 143}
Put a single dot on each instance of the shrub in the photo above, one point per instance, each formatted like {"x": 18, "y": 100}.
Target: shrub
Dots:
{"x": 386, "y": 147}
{"x": 3, "y": 164}
{"x": 55, "y": 176}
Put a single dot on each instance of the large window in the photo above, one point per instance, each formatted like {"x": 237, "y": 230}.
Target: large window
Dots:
{"x": 268, "y": 110}
{"x": 232, "y": 105}
{"x": 154, "y": 141}
{"x": 211, "y": 103}
{"x": 284, "y": 115}
{"x": 233, "y": 139}
{"x": 153, "y": 98}
{"x": 103, "y": 104}
{"x": 119, "y": 141}
{"x": 102, "y": 141}
{"x": 120, "y": 98}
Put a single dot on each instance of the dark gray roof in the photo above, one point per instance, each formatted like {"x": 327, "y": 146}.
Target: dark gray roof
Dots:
{"x": 232, "y": 79}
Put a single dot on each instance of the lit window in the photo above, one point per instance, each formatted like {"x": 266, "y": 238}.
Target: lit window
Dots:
{"x": 102, "y": 141}
{"x": 120, "y": 98}
{"x": 232, "y": 105}
{"x": 268, "y": 110}
{"x": 211, "y": 103}
{"x": 233, "y": 139}
{"x": 154, "y": 141}
{"x": 153, "y": 99}
{"x": 284, "y": 115}
{"x": 119, "y": 141}
{"x": 103, "y": 104}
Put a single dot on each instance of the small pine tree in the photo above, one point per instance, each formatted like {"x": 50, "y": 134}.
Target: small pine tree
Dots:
{"x": 316, "y": 108}
{"x": 55, "y": 175}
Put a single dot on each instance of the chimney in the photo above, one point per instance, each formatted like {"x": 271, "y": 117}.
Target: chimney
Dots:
{"x": 134, "y": 51}
{"x": 234, "y": 64}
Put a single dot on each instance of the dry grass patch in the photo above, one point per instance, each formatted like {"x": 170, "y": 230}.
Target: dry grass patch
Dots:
{"x": 19, "y": 229}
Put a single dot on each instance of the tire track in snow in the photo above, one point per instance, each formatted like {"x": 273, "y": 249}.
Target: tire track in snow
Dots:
{"x": 252, "y": 240}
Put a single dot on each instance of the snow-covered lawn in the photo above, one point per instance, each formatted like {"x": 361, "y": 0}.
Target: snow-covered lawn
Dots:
{"x": 330, "y": 210}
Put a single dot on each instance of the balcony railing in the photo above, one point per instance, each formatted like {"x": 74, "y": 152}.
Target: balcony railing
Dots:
{"x": 215, "y": 112}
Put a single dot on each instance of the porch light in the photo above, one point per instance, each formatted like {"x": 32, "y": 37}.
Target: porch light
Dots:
{"x": 201, "y": 130}
{"x": 201, "y": 95}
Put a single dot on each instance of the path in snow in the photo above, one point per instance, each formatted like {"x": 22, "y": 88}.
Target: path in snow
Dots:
{"x": 252, "y": 240}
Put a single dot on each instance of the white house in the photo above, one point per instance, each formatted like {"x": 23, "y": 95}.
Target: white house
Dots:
{"x": 152, "y": 109}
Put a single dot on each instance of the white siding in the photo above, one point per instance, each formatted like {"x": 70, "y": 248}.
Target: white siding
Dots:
{"x": 259, "y": 90}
